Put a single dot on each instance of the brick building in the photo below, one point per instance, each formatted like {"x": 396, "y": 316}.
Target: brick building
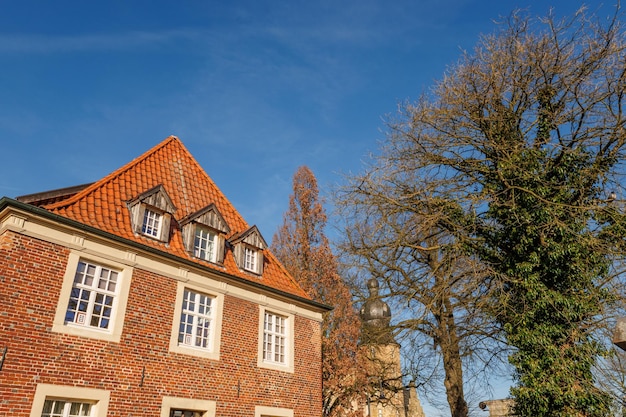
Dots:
{"x": 145, "y": 293}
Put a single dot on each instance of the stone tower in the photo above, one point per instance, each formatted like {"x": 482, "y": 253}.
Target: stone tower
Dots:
{"x": 387, "y": 395}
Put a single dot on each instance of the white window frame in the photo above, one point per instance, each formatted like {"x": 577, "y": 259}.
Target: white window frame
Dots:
{"x": 152, "y": 223}
{"x": 274, "y": 338}
{"x": 84, "y": 405}
{"x": 263, "y": 411}
{"x": 206, "y": 407}
{"x": 212, "y": 351}
{"x": 94, "y": 295}
{"x": 97, "y": 397}
{"x": 113, "y": 332}
{"x": 250, "y": 259}
{"x": 197, "y": 318}
{"x": 201, "y": 243}
{"x": 288, "y": 338}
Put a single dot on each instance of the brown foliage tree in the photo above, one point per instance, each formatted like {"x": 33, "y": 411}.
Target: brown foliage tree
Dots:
{"x": 303, "y": 248}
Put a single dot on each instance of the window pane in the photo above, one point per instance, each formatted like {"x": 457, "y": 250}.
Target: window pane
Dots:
{"x": 274, "y": 338}
{"x": 185, "y": 413}
{"x": 75, "y": 409}
{"x": 195, "y": 320}
{"x": 92, "y": 299}
{"x": 53, "y": 408}
{"x": 204, "y": 244}
{"x": 63, "y": 408}
{"x": 85, "y": 274}
{"x": 80, "y": 409}
{"x": 59, "y": 406}
{"x": 47, "y": 408}
{"x": 250, "y": 256}
{"x": 151, "y": 223}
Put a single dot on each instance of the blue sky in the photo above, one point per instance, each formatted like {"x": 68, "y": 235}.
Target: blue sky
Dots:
{"x": 254, "y": 89}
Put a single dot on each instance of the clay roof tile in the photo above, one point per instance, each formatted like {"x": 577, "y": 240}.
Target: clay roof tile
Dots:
{"x": 103, "y": 205}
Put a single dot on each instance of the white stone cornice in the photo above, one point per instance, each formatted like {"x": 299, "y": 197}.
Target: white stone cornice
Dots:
{"x": 46, "y": 229}
{"x": 12, "y": 222}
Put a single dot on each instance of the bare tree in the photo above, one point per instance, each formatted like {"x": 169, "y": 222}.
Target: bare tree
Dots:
{"x": 416, "y": 245}
{"x": 499, "y": 193}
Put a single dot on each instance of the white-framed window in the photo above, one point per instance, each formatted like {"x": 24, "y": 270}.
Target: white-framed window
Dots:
{"x": 250, "y": 262}
{"x": 175, "y": 412}
{"x": 93, "y": 298}
{"x": 248, "y": 250}
{"x": 65, "y": 408}
{"x": 276, "y": 341}
{"x": 151, "y": 213}
{"x": 262, "y": 411}
{"x": 69, "y": 401}
{"x": 205, "y": 244}
{"x": 186, "y": 407}
{"x": 152, "y": 222}
{"x": 197, "y": 323}
{"x": 93, "y": 295}
{"x": 274, "y": 337}
{"x": 196, "y": 320}
{"x": 203, "y": 234}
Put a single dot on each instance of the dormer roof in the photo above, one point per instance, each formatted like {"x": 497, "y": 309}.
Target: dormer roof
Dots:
{"x": 252, "y": 237}
{"x": 169, "y": 176}
{"x": 156, "y": 197}
{"x": 208, "y": 216}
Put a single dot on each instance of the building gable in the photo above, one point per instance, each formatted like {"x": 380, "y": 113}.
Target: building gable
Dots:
{"x": 168, "y": 178}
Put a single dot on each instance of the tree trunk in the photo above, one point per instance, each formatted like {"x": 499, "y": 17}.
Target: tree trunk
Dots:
{"x": 453, "y": 368}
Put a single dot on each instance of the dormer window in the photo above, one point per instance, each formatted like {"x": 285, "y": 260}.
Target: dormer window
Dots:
{"x": 250, "y": 259}
{"x": 204, "y": 234}
{"x": 248, "y": 250}
{"x": 151, "y": 213}
{"x": 204, "y": 246}
{"x": 152, "y": 223}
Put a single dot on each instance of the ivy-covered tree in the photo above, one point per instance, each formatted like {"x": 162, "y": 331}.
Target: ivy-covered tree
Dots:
{"x": 521, "y": 148}
{"x": 303, "y": 248}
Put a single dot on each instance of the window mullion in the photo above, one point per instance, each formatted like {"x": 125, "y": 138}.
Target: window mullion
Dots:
{"x": 195, "y": 320}
{"x": 93, "y": 293}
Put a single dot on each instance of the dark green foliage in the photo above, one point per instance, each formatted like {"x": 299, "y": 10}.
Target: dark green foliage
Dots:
{"x": 552, "y": 265}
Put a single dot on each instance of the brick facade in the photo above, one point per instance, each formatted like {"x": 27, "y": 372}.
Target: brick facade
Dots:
{"x": 30, "y": 285}
{"x": 139, "y": 374}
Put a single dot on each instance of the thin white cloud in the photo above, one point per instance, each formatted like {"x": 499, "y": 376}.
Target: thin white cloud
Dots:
{"x": 45, "y": 44}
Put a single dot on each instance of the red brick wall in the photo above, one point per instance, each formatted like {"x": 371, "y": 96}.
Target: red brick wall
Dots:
{"x": 31, "y": 273}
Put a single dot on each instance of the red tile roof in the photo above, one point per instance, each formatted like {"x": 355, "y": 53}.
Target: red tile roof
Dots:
{"x": 103, "y": 205}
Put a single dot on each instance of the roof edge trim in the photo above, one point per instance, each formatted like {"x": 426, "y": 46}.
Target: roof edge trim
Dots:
{"x": 6, "y": 202}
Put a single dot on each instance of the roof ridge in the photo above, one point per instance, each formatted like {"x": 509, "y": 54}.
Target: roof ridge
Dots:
{"x": 208, "y": 178}
{"x": 170, "y": 140}
{"x": 190, "y": 187}
{"x": 76, "y": 197}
